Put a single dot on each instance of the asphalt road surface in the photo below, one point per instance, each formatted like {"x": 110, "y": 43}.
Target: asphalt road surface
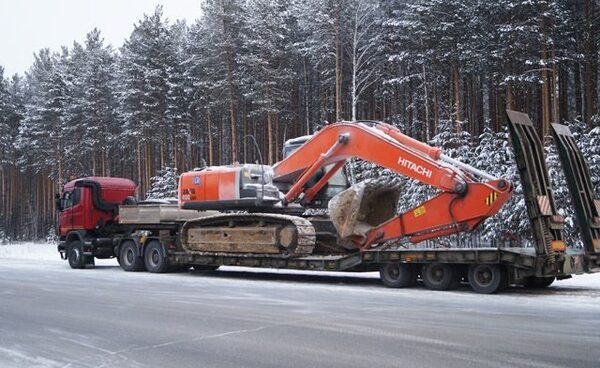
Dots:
{"x": 52, "y": 316}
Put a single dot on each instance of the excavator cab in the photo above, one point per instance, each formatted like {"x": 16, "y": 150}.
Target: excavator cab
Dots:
{"x": 336, "y": 184}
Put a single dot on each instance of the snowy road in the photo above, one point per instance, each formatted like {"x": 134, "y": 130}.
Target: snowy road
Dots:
{"x": 52, "y": 316}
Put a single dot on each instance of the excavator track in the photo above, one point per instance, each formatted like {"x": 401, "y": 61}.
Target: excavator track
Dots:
{"x": 254, "y": 233}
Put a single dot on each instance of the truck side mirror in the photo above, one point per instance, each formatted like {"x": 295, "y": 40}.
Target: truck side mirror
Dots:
{"x": 58, "y": 202}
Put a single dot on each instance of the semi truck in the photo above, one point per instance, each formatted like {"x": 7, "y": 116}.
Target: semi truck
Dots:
{"x": 302, "y": 213}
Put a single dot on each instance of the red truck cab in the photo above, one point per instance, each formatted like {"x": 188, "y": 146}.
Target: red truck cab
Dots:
{"x": 88, "y": 209}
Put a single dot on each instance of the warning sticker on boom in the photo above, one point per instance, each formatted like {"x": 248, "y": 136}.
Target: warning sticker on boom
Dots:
{"x": 419, "y": 211}
{"x": 491, "y": 198}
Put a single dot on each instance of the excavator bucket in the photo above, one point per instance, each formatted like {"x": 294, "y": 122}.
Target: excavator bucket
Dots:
{"x": 577, "y": 173}
{"x": 547, "y": 226}
{"x": 362, "y": 207}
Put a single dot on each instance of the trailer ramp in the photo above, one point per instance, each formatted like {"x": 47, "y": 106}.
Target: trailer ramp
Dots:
{"x": 579, "y": 183}
{"x": 547, "y": 226}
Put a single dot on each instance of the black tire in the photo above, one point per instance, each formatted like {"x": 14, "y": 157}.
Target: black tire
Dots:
{"x": 154, "y": 257}
{"x": 535, "y": 282}
{"x": 487, "y": 278}
{"x": 440, "y": 276}
{"x": 129, "y": 258}
{"x": 75, "y": 254}
{"x": 398, "y": 275}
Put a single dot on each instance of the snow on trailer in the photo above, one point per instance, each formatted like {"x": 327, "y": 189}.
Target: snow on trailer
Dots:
{"x": 363, "y": 231}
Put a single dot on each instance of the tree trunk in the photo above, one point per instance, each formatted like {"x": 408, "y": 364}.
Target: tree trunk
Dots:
{"x": 229, "y": 59}
{"x": 456, "y": 91}
{"x": 426, "y": 93}
{"x": 211, "y": 160}
{"x": 563, "y": 94}
{"x": 590, "y": 56}
{"x": 232, "y": 112}
{"x": 578, "y": 91}
{"x": 270, "y": 139}
{"x": 338, "y": 63}
{"x": 545, "y": 87}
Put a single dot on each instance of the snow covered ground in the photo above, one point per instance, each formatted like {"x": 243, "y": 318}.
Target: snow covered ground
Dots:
{"x": 52, "y": 316}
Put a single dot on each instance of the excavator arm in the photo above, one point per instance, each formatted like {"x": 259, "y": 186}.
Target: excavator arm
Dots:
{"x": 373, "y": 143}
{"x": 468, "y": 196}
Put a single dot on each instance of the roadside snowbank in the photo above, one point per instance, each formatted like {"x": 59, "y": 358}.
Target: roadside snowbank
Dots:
{"x": 27, "y": 250}
{"x": 38, "y": 252}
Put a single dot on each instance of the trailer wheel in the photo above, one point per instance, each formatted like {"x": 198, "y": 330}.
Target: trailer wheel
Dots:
{"x": 487, "y": 278}
{"x": 535, "y": 282}
{"x": 398, "y": 275}
{"x": 154, "y": 257}
{"x": 128, "y": 257}
{"x": 440, "y": 276}
{"x": 75, "y": 254}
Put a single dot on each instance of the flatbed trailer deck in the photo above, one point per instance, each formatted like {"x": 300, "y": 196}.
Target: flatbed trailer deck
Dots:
{"x": 524, "y": 258}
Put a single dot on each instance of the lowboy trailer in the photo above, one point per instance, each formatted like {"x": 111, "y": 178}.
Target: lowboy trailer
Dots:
{"x": 99, "y": 218}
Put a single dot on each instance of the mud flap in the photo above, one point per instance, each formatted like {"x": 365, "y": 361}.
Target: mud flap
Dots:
{"x": 579, "y": 183}
{"x": 362, "y": 207}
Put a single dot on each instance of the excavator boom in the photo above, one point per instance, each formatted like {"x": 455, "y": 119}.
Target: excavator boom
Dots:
{"x": 462, "y": 204}
{"x": 373, "y": 142}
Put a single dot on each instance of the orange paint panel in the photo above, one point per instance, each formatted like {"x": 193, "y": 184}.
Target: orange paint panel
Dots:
{"x": 211, "y": 184}
{"x": 227, "y": 185}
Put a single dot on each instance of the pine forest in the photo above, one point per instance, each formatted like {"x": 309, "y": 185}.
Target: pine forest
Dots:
{"x": 175, "y": 96}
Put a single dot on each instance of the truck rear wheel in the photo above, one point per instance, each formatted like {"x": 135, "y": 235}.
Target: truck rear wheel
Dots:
{"x": 128, "y": 257}
{"x": 398, "y": 275}
{"x": 154, "y": 257}
{"x": 487, "y": 278}
{"x": 440, "y": 276}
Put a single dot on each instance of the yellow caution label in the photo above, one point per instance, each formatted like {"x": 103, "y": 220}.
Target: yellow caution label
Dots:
{"x": 419, "y": 211}
{"x": 491, "y": 198}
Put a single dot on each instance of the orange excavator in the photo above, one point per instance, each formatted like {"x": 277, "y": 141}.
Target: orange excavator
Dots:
{"x": 273, "y": 207}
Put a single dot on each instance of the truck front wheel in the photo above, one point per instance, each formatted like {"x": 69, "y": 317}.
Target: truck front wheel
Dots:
{"x": 77, "y": 259}
{"x": 75, "y": 254}
{"x": 128, "y": 257}
{"x": 154, "y": 257}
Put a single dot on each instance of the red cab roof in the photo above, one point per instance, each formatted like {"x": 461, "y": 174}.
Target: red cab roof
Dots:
{"x": 105, "y": 182}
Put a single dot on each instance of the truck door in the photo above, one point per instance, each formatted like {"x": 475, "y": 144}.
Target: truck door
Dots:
{"x": 71, "y": 215}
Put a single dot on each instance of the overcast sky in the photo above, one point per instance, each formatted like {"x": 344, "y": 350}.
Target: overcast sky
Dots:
{"x": 29, "y": 25}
